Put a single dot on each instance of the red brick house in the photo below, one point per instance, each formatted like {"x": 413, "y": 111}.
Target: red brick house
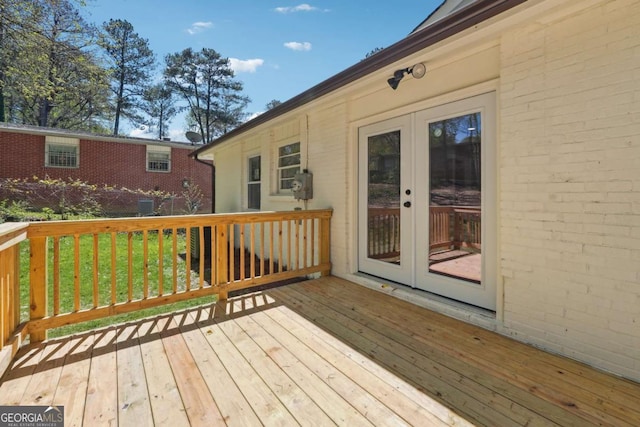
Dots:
{"x": 133, "y": 163}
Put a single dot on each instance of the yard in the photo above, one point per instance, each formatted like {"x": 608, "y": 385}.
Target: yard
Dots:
{"x": 90, "y": 249}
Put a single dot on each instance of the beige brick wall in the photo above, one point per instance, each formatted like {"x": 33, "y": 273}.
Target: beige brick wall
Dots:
{"x": 328, "y": 154}
{"x": 570, "y": 185}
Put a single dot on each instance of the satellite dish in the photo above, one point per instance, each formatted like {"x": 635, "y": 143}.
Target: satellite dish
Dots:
{"x": 194, "y": 137}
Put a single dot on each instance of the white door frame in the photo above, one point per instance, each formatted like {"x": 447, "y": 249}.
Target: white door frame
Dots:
{"x": 414, "y": 172}
{"x": 484, "y": 293}
{"x": 402, "y": 272}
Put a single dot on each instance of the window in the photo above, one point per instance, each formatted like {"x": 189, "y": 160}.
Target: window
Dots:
{"x": 253, "y": 183}
{"x": 288, "y": 165}
{"x": 158, "y": 159}
{"x": 61, "y": 152}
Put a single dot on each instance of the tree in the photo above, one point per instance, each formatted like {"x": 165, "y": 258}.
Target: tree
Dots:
{"x": 231, "y": 109}
{"x": 131, "y": 63}
{"x": 205, "y": 80}
{"x": 55, "y": 78}
{"x": 272, "y": 104}
{"x": 15, "y": 18}
{"x": 158, "y": 103}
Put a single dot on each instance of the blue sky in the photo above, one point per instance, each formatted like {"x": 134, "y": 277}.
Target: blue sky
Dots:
{"x": 278, "y": 49}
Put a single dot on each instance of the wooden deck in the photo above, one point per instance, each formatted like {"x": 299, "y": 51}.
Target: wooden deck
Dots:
{"x": 322, "y": 352}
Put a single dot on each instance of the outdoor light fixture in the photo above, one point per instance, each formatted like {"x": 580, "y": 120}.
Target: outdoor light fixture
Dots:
{"x": 417, "y": 71}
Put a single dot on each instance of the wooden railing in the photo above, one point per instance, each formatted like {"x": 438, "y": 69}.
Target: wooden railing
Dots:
{"x": 11, "y": 334}
{"x": 383, "y": 232}
{"x": 454, "y": 227}
{"x": 467, "y": 228}
{"x": 450, "y": 227}
{"x": 151, "y": 261}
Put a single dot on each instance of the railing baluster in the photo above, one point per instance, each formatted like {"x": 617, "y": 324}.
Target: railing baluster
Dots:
{"x": 201, "y": 258}
{"x": 271, "y": 239}
{"x": 160, "y": 262}
{"x": 174, "y": 257}
{"x": 145, "y": 264}
{"x": 289, "y": 254}
{"x": 76, "y": 272}
{"x": 280, "y": 246}
{"x": 313, "y": 241}
{"x": 231, "y": 252}
{"x": 241, "y": 250}
{"x": 304, "y": 242}
{"x": 188, "y": 257}
{"x": 96, "y": 289}
{"x": 130, "y": 266}
{"x": 262, "y": 248}
{"x": 56, "y": 275}
{"x": 297, "y": 245}
{"x": 114, "y": 290}
{"x": 252, "y": 250}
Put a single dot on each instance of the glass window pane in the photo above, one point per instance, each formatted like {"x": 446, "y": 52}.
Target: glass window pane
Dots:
{"x": 455, "y": 197}
{"x": 289, "y": 173}
{"x": 289, "y": 160}
{"x": 254, "y": 196}
{"x": 62, "y": 155}
{"x": 289, "y": 149}
{"x": 383, "y": 197}
{"x": 254, "y": 168}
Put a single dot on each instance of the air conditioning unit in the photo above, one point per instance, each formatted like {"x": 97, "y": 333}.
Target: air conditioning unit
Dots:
{"x": 195, "y": 243}
{"x": 145, "y": 207}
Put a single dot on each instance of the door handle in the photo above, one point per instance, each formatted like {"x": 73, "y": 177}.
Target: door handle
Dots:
{"x": 407, "y": 204}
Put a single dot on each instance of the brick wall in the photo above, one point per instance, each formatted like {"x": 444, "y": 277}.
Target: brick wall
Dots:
{"x": 570, "y": 185}
{"x": 118, "y": 164}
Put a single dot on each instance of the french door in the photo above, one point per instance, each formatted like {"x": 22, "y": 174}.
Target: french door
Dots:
{"x": 427, "y": 200}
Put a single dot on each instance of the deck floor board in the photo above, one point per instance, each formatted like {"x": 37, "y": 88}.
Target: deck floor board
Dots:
{"x": 321, "y": 352}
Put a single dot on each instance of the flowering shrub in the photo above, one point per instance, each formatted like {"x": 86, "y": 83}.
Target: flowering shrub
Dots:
{"x": 70, "y": 197}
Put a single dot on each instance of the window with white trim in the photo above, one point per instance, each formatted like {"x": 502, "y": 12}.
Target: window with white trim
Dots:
{"x": 62, "y": 152}
{"x": 254, "y": 182}
{"x": 158, "y": 158}
{"x": 288, "y": 165}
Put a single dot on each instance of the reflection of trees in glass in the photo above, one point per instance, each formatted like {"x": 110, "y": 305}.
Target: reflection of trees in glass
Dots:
{"x": 454, "y": 152}
{"x": 384, "y": 169}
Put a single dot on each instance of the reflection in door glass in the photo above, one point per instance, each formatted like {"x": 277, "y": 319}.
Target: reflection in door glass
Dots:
{"x": 383, "y": 197}
{"x": 454, "y": 197}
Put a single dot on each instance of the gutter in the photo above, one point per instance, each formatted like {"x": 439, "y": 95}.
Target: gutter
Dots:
{"x": 213, "y": 179}
{"x": 455, "y": 23}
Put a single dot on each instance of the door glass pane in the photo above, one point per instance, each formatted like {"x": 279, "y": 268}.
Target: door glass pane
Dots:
{"x": 454, "y": 197}
{"x": 383, "y": 197}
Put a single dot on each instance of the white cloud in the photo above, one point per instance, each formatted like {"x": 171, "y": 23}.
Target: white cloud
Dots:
{"x": 298, "y": 45}
{"x": 254, "y": 115}
{"x": 177, "y": 135}
{"x": 198, "y": 27}
{"x": 300, "y": 8}
{"x": 140, "y": 132}
{"x": 245, "y": 65}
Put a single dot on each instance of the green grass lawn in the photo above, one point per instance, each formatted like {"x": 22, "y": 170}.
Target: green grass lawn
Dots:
{"x": 86, "y": 276}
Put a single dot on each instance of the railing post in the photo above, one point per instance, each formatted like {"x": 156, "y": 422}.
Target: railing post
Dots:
{"x": 222, "y": 261}
{"x": 325, "y": 244}
{"x": 38, "y": 284}
{"x": 9, "y": 292}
